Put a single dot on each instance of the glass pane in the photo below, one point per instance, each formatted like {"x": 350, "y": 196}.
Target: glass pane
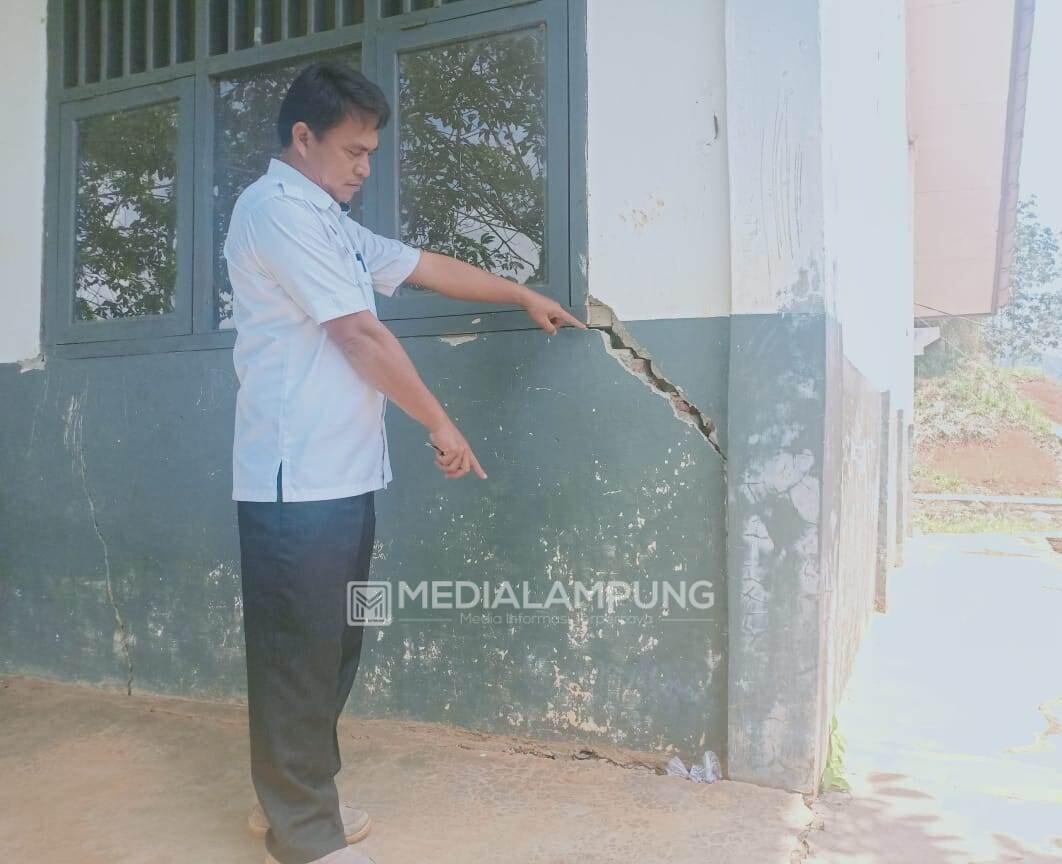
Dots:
{"x": 472, "y": 152}
{"x": 245, "y": 138}
{"x": 125, "y": 261}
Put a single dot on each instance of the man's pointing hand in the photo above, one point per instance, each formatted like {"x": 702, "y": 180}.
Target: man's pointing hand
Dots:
{"x": 454, "y": 456}
{"x": 549, "y": 314}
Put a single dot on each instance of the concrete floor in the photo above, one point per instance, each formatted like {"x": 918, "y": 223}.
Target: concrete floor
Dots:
{"x": 93, "y": 777}
{"x": 953, "y": 724}
{"x": 953, "y": 716}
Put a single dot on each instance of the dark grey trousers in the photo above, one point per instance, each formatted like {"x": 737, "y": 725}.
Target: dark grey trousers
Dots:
{"x": 296, "y": 558}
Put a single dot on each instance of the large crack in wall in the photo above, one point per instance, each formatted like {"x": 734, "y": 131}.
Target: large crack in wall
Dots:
{"x": 621, "y": 345}
{"x": 74, "y": 441}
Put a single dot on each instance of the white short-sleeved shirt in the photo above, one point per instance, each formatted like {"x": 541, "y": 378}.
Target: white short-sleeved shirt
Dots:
{"x": 296, "y": 260}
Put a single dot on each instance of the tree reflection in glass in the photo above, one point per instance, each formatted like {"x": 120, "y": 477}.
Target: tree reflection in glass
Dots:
{"x": 472, "y": 152}
{"x": 125, "y": 259}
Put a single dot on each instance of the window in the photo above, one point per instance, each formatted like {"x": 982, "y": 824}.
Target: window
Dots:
{"x": 162, "y": 111}
{"x": 472, "y": 153}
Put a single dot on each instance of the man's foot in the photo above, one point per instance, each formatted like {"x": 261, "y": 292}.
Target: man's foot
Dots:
{"x": 356, "y": 823}
{"x": 340, "y": 856}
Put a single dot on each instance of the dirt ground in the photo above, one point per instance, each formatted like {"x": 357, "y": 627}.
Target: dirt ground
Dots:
{"x": 1046, "y": 394}
{"x": 1014, "y": 464}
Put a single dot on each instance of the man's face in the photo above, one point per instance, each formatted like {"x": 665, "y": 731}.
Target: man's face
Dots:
{"x": 338, "y": 161}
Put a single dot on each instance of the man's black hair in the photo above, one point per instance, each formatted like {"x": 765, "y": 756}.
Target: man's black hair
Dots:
{"x": 326, "y": 92}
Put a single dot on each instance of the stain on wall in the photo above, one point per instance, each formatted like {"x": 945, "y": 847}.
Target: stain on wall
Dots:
{"x": 117, "y": 545}
{"x": 776, "y": 471}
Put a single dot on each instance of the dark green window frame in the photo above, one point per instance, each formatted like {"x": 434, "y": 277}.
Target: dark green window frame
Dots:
{"x": 102, "y": 78}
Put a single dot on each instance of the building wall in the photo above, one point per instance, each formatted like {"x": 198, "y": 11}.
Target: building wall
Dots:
{"x": 121, "y": 563}
{"x": 729, "y": 267}
{"x": 868, "y": 210}
{"x": 870, "y": 280}
{"x": 775, "y": 153}
{"x": 119, "y": 560}
{"x": 656, "y": 159}
{"x": 22, "y": 172}
{"x": 776, "y": 458}
{"x": 821, "y": 263}
{"x": 658, "y": 212}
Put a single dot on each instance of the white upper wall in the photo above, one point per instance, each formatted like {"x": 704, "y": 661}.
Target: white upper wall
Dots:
{"x": 656, "y": 162}
{"x": 22, "y": 93}
{"x": 774, "y": 143}
{"x": 867, "y": 188}
{"x": 820, "y": 185}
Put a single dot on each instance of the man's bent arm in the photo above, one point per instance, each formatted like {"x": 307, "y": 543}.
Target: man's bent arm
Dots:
{"x": 379, "y": 358}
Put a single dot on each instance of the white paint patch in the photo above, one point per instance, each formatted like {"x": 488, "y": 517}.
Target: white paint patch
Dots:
{"x": 571, "y": 709}
{"x": 72, "y": 423}
{"x": 31, "y": 364}
{"x": 461, "y": 339}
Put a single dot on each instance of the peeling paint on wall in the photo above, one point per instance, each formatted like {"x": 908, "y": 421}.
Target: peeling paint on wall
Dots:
{"x": 459, "y": 339}
{"x": 805, "y": 292}
{"x": 642, "y": 216}
{"x": 31, "y": 364}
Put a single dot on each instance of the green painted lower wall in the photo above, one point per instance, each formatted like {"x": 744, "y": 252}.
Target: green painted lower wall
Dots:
{"x": 119, "y": 561}
{"x": 777, "y": 474}
{"x": 804, "y": 490}
{"x": 119, "y": 553}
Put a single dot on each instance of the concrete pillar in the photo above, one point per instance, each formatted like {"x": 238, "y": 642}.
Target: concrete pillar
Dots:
{"x": 779, "y": 457}
{"x": 820, "y": 303}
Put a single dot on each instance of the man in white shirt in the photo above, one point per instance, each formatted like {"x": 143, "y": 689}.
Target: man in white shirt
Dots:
{"x": 316, "y": 368}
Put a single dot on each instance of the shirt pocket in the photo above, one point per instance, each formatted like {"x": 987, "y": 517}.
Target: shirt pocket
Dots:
{"x": 361, "y": 278}
{"x": 351, "y": 265}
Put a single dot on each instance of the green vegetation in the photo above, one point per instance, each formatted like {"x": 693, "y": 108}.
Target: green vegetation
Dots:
{"x": 833, "y": 773}
{"x": 975, "y": 401}
{"x": 927, "y": 480}
{"x": 1031, "y": 321}
{"x": 930, "y": 521}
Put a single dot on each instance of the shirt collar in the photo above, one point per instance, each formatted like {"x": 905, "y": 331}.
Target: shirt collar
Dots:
{"x": 295, "y": 179}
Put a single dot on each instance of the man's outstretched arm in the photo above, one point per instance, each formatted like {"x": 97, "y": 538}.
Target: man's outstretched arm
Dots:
{"x": 461, "y": 281}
